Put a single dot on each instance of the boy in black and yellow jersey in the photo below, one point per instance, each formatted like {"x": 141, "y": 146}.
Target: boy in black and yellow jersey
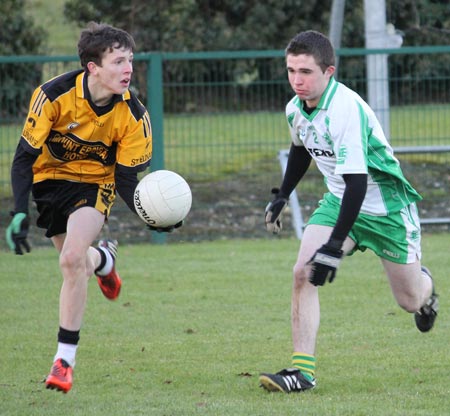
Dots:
{"x": 86, "y": 135}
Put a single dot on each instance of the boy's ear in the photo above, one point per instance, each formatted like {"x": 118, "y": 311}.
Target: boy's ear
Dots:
{"x": 92, "y": 67}
{"x": 330, "y": 70}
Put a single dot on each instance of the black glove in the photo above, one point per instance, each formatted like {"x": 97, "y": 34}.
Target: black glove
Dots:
{"x": 165, "y": 229}
{"x": 325, "y": 263}
{"x": 17, "y": 231}
{"x": 273, "y": 211}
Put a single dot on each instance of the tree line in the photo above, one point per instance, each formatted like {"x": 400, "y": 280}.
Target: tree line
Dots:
{"x": 211, "y": 25}
{"x": 208, "y": 25}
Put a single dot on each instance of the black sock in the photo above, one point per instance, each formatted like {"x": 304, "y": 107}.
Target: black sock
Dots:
{"x": 68, "y": 337}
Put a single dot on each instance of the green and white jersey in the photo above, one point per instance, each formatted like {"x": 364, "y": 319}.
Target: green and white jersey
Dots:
{"x": 344, "y": 136}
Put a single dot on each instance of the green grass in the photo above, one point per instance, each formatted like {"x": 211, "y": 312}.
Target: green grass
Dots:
{"x": 197, "y": 323}
{"x": 218, "y": 145}
{"x": 420, "y": 125}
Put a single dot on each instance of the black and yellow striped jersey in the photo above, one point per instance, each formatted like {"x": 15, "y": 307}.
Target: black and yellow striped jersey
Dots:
{"x": 77, "y": 141}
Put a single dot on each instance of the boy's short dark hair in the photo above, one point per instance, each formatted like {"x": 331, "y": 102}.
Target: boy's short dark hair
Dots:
{"x": 98, "y": 38}
{"x": 315, "y": 44}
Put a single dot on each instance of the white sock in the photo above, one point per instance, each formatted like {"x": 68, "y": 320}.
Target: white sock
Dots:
{"x": 108, "y": 265}
{"x": 67, "y": 352}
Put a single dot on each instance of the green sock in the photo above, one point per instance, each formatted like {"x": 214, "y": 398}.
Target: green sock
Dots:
{"x": 306, "y": 363}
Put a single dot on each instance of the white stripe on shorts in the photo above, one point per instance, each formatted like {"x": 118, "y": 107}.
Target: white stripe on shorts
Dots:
{"x": 411, "y": 220}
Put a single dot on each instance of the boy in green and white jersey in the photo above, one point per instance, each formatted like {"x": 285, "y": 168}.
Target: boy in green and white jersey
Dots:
{"x": 369, "y": 203}
{"x": 344, "y": 136}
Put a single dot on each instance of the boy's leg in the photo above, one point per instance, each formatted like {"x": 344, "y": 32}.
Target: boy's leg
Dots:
{"x": 305, "y": 317}
{"x": 410, "y": 286}
{"x": 413, "y": 289}
{"x": 77, "y": 261}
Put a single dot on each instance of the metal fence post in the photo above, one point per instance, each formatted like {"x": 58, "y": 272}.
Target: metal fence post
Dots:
{"x": 155, "y": 105}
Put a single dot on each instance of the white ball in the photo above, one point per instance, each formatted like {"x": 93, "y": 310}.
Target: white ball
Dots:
{"x": 162, "y": 198}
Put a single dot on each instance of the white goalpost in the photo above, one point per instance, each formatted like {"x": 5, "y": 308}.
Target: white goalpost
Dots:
{"x": 296, "y": 212}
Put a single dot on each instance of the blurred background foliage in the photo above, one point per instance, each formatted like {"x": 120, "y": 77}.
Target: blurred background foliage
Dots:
{"x": 210, "y": 25}
{"x": 29, "y": 27}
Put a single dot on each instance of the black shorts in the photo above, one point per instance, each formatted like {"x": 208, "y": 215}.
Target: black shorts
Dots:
{"x": 57, "y": 199}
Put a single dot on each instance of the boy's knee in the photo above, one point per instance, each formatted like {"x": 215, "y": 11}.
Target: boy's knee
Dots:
{"x": 301, "y": 274}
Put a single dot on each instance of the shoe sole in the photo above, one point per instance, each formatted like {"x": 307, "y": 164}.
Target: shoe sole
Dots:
{"x": 269, "y": 384}
{"x": 53, "y": 386}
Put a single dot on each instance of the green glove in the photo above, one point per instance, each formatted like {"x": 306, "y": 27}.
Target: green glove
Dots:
{"x": 16, "y": 233}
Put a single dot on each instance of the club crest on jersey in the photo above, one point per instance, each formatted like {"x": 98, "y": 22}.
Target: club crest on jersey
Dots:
{"x": 72, "y": 125}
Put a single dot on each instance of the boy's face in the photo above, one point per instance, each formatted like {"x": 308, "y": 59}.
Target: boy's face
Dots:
{"x": 306, "y": 78}
{"x": 114, "y": 74}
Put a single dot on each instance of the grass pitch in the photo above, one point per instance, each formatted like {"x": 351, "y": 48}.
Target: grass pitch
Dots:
{"x": 197, "y": 322}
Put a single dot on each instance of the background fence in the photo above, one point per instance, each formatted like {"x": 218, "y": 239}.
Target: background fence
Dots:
{"x": 218, "y": 120}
